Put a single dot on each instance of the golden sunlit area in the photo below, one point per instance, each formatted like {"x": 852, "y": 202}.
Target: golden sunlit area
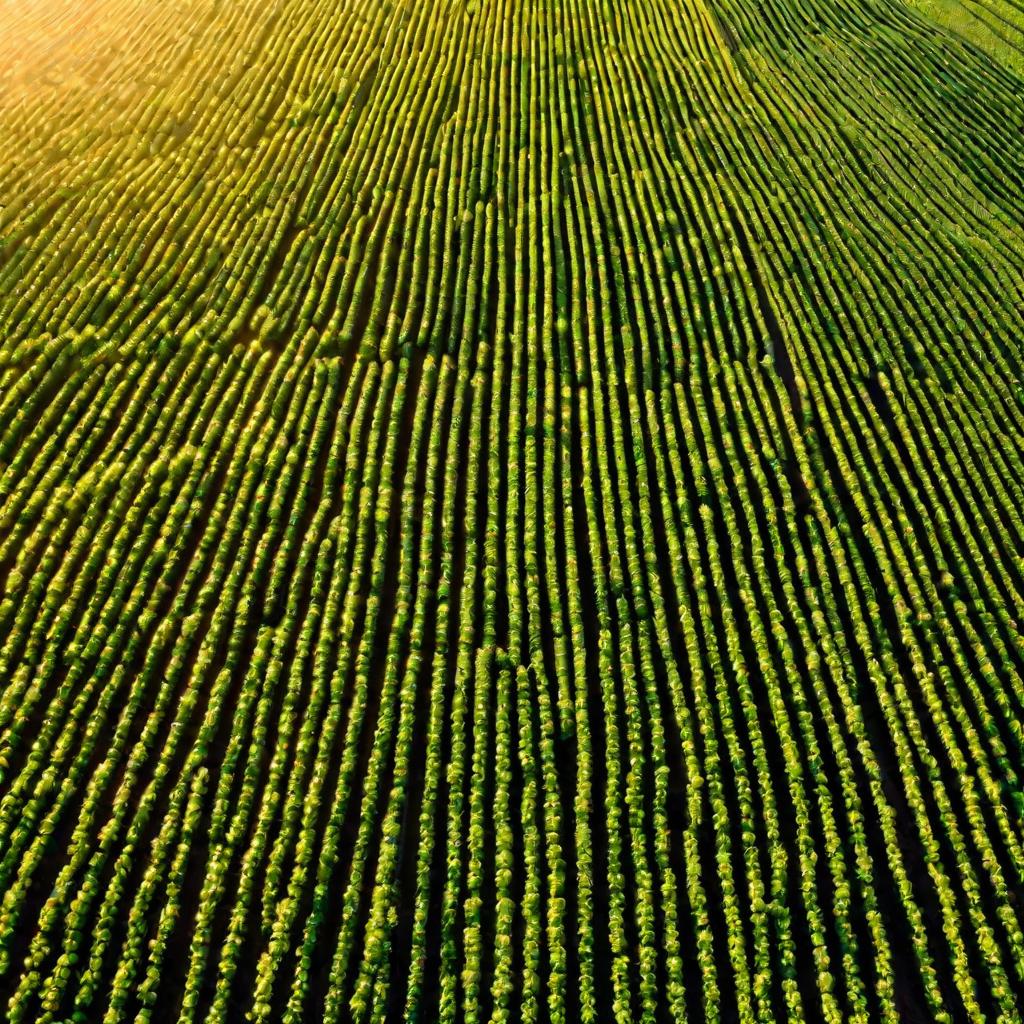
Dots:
{"x": 511, "y": 512}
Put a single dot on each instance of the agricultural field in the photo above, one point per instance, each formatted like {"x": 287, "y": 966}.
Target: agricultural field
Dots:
{"x": 512, "y": 511}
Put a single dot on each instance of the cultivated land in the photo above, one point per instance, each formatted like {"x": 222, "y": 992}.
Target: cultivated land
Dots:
{"x": 512, "y": 511}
